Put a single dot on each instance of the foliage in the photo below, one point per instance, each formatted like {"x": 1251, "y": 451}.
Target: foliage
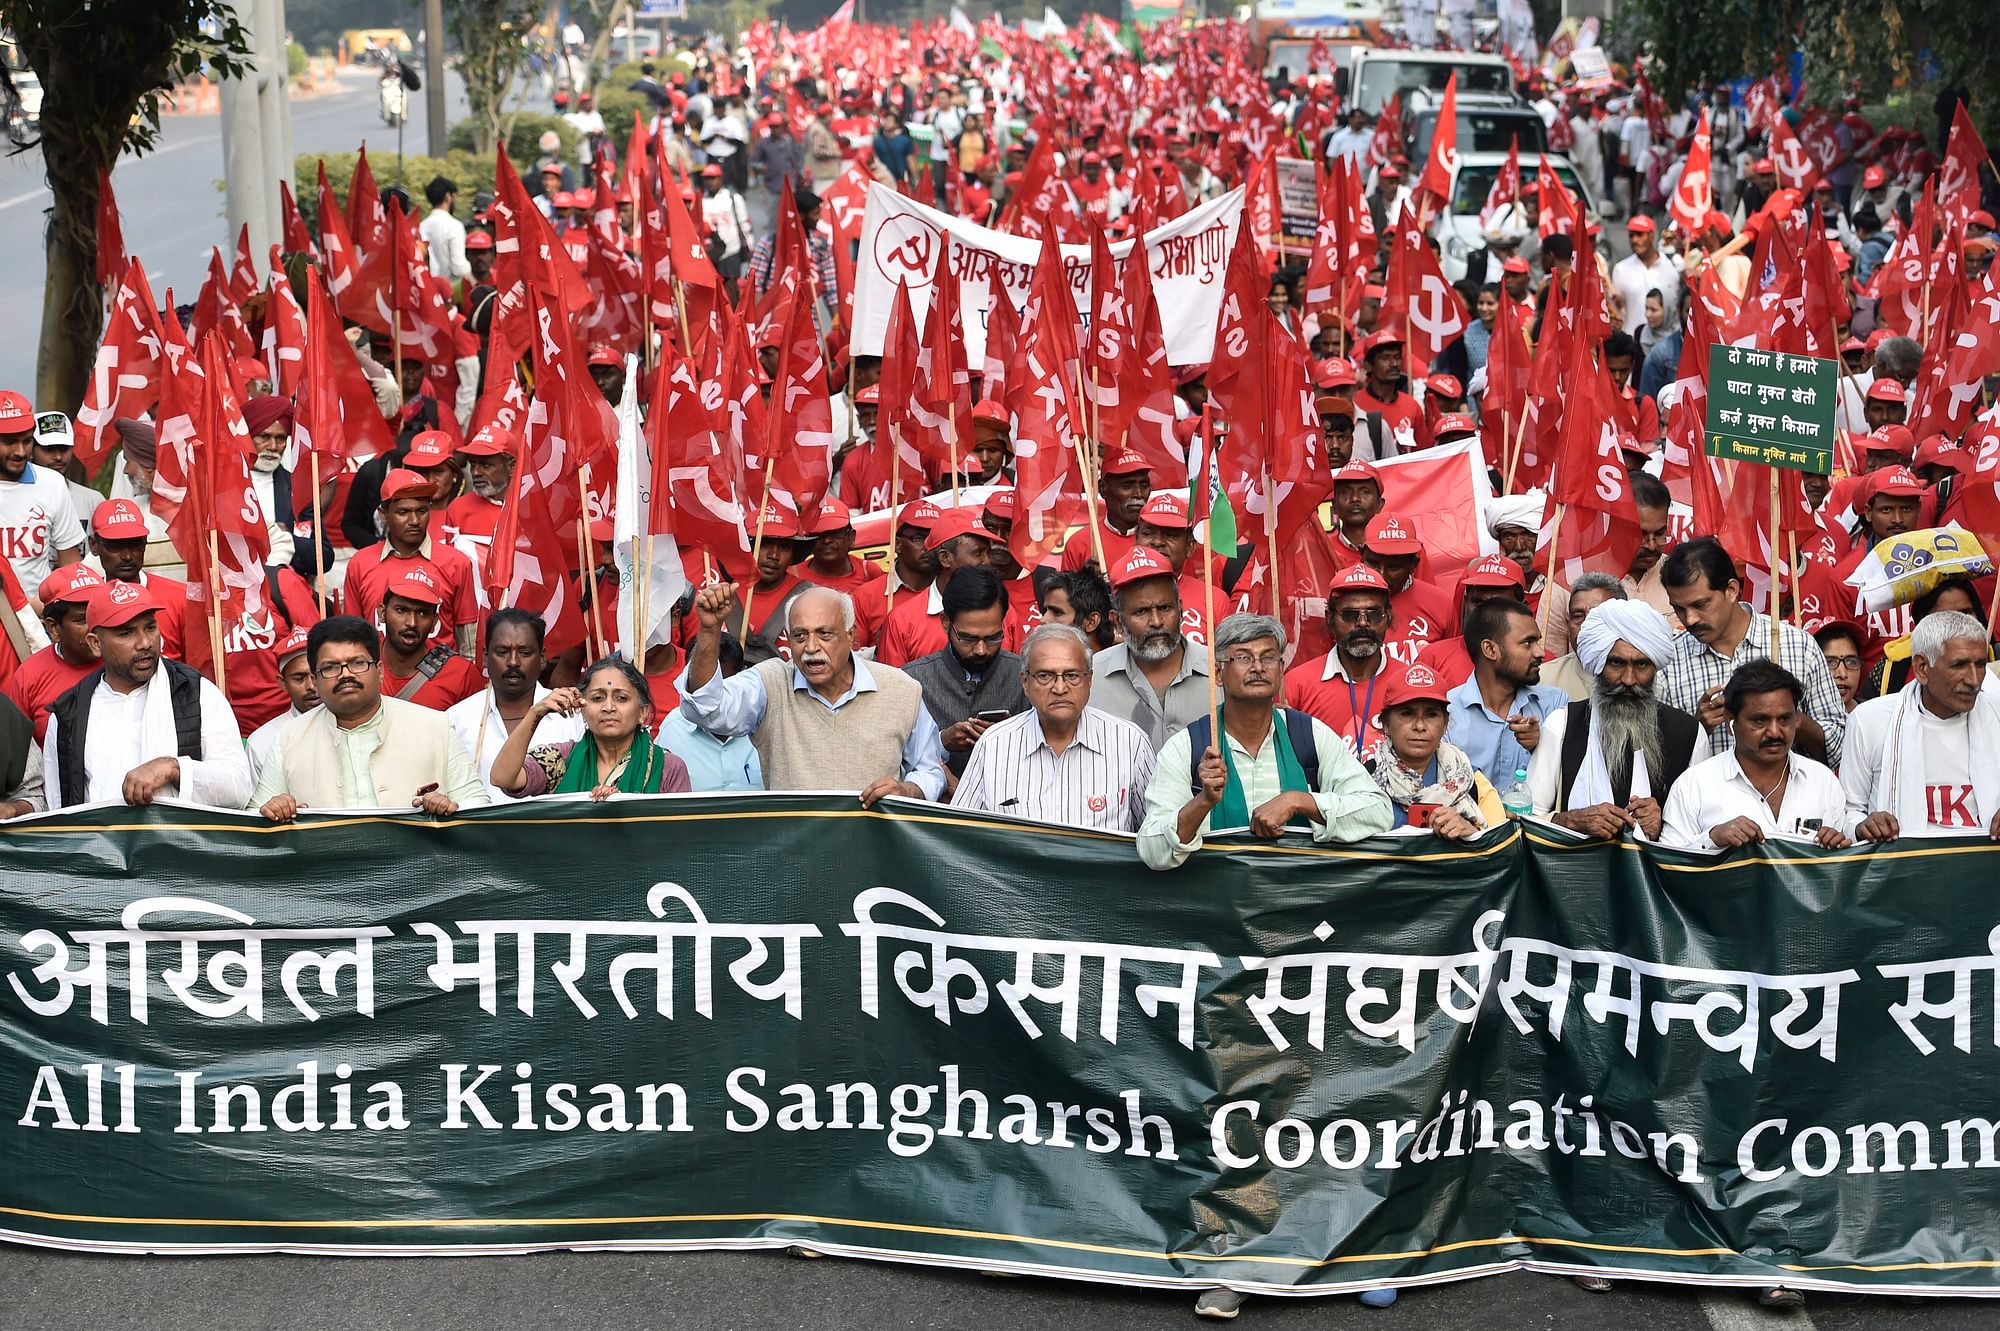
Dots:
{"x": 523, "y": 138}
{"x": 491, "y": 56}
{"x": 104, "y": 68}
{"x": 470, "y": 172}
{"x": 296, "y": 60}
{"x": 616, "y": 103}
{"x": 1875, "y": 53}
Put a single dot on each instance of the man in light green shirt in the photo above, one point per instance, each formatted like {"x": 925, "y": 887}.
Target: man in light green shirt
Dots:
{"x": 1259, "y": 779}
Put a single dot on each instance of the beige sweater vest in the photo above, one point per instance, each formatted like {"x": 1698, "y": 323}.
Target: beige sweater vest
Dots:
{"x": 414, "y": 743}
{"x": 804, "y": 746}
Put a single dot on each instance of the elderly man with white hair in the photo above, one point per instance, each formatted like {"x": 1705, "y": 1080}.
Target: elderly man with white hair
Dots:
{"x": 1515, "y": 522}
{"x": 1063, "y": 761}
{"x": 1925, "y": 761}
{"x": 1605, "y": 763}
{"x": 824, "y": 720}
{"x": 1273, "y": 768}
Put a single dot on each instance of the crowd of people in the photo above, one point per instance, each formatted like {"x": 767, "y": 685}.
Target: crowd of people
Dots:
{"x": 1129, "y": 678}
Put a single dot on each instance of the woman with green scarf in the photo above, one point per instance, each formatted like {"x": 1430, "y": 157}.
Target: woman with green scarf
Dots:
{"x": 616, "y": 755}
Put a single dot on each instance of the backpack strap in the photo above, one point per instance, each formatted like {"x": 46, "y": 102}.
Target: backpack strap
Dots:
{"x": 1299, "y": 729}
{"x": 1576, "y": 739}
{"x": 1199, "y": 732}
{"x": 427, "y": 670}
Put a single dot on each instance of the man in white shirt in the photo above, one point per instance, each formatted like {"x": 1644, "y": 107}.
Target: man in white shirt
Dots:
{"x": 444, "y": 235}
{"x": 55, "y": 445}
{"x": 1925, "y": 761}
{"x": 1063, "y": 761}
{"x": 728, "y": 219}
{"x": 1645, "y": 269}
{"x": 142, "y": 727}
{"x": 1759, "y": 789}
{"x": 39, "y": 530}
{"x": 1352, "y": 139}
{"x": 514, "y": 662}
{"x": 1267, "y": 782}
{"x": 295, "y": 677}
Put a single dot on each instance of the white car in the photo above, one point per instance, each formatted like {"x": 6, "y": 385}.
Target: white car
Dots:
{"x": 28, "y": 87}
{"x": 1459, "y": 233}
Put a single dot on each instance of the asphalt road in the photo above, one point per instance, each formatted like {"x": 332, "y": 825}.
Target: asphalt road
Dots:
{"x": 171, "y": 201}
{"x": 769, "y": 1290}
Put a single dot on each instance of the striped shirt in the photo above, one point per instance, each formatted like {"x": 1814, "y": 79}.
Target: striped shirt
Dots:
{"x": 1696, "y": 668}
{"x": 1099, "y": 781}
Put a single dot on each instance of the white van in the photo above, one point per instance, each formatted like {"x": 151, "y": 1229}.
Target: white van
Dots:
{"x": 1382, "y": 74}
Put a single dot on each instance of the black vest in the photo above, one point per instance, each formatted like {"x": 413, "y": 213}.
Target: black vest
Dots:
{"x": 73, "y": 711}
{"x": 1678, "y": 734}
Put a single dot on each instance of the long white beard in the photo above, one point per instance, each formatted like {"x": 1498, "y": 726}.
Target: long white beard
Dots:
{"x": 1627, "y": 724}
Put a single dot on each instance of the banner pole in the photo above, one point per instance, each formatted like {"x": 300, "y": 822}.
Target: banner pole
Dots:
{"x": 585, "y": 569}
{"x": 1514, "y": 450}
{"x": 1776, "y": 580}
{"x": 215, "y": 613}
{"x": 757, "y": 547}
{"x": 1271, "y": 544}
{"x": 1087, "y": 465}
{"x": 895, "y": 502}
{"x": 319, "y": 525}
{"x": 1555, "y": 538}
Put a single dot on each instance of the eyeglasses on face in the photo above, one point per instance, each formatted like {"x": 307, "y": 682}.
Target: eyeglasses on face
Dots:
{"x": 335, "y": 669}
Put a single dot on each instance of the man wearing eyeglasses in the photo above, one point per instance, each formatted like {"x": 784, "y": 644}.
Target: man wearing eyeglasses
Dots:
{"x": 1064, "y": 761}
{"x": 1343, "y": 687}
{"x": 360, "y": 750}
{"x": 974, "y": 681}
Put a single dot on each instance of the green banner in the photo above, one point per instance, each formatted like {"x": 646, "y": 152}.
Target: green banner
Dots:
{"x": 1771, "y": 407}
{"x": 706, "y": 1022}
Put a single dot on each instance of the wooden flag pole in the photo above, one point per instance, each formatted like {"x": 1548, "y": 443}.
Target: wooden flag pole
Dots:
{"x": 1792, "y": 557}
{"x": 895, "y": 503}
{"x": 1088, "y": 466}
{"x": 215, "y": 613}
{"x": 1777, "y": 582}
{"x": 1514, "y": 451}
{"x": 319, "y": 525}
{"x": 1271, "y": 543}
{"x": 586, "y": 568}
{"x": 756, "y": 549}
{"x": 1555, "y": 537}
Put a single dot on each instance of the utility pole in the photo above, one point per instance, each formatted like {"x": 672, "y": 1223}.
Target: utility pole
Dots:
{"x": 436, "y": 132}
{"x": 257, "y": 129}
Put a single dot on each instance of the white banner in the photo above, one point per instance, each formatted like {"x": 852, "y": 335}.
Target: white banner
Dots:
{"x": 900, "y": 238}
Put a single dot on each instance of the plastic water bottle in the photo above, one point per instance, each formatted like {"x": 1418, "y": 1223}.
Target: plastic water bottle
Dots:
{"x": 1515, "y": 799}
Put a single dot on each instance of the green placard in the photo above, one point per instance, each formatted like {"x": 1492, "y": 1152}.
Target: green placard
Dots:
{"x": 1771, "y": 407}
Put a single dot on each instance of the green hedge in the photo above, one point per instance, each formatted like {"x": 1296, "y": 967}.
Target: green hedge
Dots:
{"x": 521, "y": 143}
{"x": 472, "y": 174}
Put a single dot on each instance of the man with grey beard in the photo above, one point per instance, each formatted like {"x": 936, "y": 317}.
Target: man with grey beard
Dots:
{"x": 1605, "y": 765}
{"x": 1156, "y": 678}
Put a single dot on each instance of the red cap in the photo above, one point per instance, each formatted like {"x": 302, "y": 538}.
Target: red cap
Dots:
{"x": 118, "y": 520}
{"x": 1853, "y": 344}
{"x": 712, "y": 171}
{"x": 1874, "y": 178}
{"x": 1139, "y": 564}
{"x": 1891, "y": 481}
{"x": 1334, "y": 404}
{"x": 402, "y": 480}
{"x": 1886, "y": 390}
{"x": 415, "y": 584}
{"x": 1375, "y": 341}
{"x": 1762, "y": 165}
{"x": 1167, "y": 509}
{"x": 1358, "y": 470}
{"x": 1455, "y": 422}
{"x": 1640, "y": 222}
{"x": 431, "y": 448}
{"x": 1516, "y": 264}
{"x": 1445, "y": 385}
{"x": 954, "y": 523}
{"x": 1981, "y": 217}
{"x": 1357, "y": 577}
{"x": 1125, "y": 462}
{"x": 1002, "y": 504}
{"x": 1818, "y": 624}
{"x": 871, "y": 395}
{"x": 1388, "y": 536}
{"x": 777, "y": 523}
{"x": 1187, "y": 374}
{"x": 602, "y": 353}
{"x": 1890, "y": 439}
{"x": 479, "y": 240}
{"x": 1494, "y": 570}
{"x": 71, "y": 582}
{"x": 1093, "y": 159}
{"x": 1939, "y": 450}
{"x": 919, "y": 513}
{"x": 832, "y": 516}
{"x": 16, "y": 415}
{"x": 492, "y": 441}
{"x": 1416, "y": 684}
{"x": 291, "y": 644}
{"x": 118, "y": 603}
{"x": 990, "y": 413}
{"x": 562, "y": 198}
{"x": 1333, "y": 372}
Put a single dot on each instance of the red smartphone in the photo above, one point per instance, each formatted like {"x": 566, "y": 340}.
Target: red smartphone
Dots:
{"x": 1420, "y": 814}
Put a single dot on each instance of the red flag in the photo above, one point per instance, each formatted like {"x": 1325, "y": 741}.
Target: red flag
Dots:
{"x": 1506, "y": 190}
{"x": 1794, "y": 163}
{"x": 1417, "y": 299}
{"x": 637, "y": 183}
{"x": 1901, "y": 282}
{"x": 800, "y": 425}
{"x": 125, "y": 381}
{"x": 367, "y": 222}
{"x": 525, "y": 248}
{"x": 1045, "y": 408}
{"x": 1508, "y": 357}
{"x": 295, "y": 239}
{"x": 1948, "y": 388}
{"x": 243, "y": 281}
{"x": 689, "y": 258}
{"x": 1958, "y": 184}
{"x": 216, "y": 310}
{"x": 944, "y": 386}
{"x": 524, "y": 566}
{"x": 1560, "y": 215}
{"x": 896, "y": 460}
{"x": 285, "y": 335}
{"x": 177, "y": 424}
{"x": 343, "y": 422}
{"x": 1003, "y": 337}
{"x": 1388, "y": 135}
{"x": 1146, "y": 398}
{"x": 1694, "y": 196}
{"x": 1601, "y": 531}
{"x": 110, "y": 235}
{"x": 336, "y": 244}
{"x": 1442, "y": 164}
{"x": 1260, "y": 203}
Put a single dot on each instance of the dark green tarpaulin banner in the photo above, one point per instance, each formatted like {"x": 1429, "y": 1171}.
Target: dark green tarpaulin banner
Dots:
{"x": 704, "y": 1022}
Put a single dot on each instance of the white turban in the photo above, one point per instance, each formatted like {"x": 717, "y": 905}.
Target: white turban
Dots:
{"x": 1523, "y": 511}
{"x": 1634, "y": 622}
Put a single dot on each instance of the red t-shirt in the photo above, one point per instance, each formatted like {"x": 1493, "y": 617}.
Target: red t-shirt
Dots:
{"x": 858, "y": 575}
{"x": 873, "y": 606}
{"x": 1349, "y": 708}
{"x": 914, "y": 630}
{"x": 370, "y": 572}
{"x": 1078, "y": 550}
{"x": 456, "y": 681}
{"x": 10, "y": 587}
{"x": 1448, "y": 660}
{"x": 1403, "y": 427}
{"x": 171, "y": 593}
{"x": 250, "y": 653}
{"x": 1423, "y": 614}
{"x": 40, "y": 680}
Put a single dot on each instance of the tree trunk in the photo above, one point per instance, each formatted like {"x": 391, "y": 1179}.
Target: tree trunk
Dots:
{"x": 81, "y": 132}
